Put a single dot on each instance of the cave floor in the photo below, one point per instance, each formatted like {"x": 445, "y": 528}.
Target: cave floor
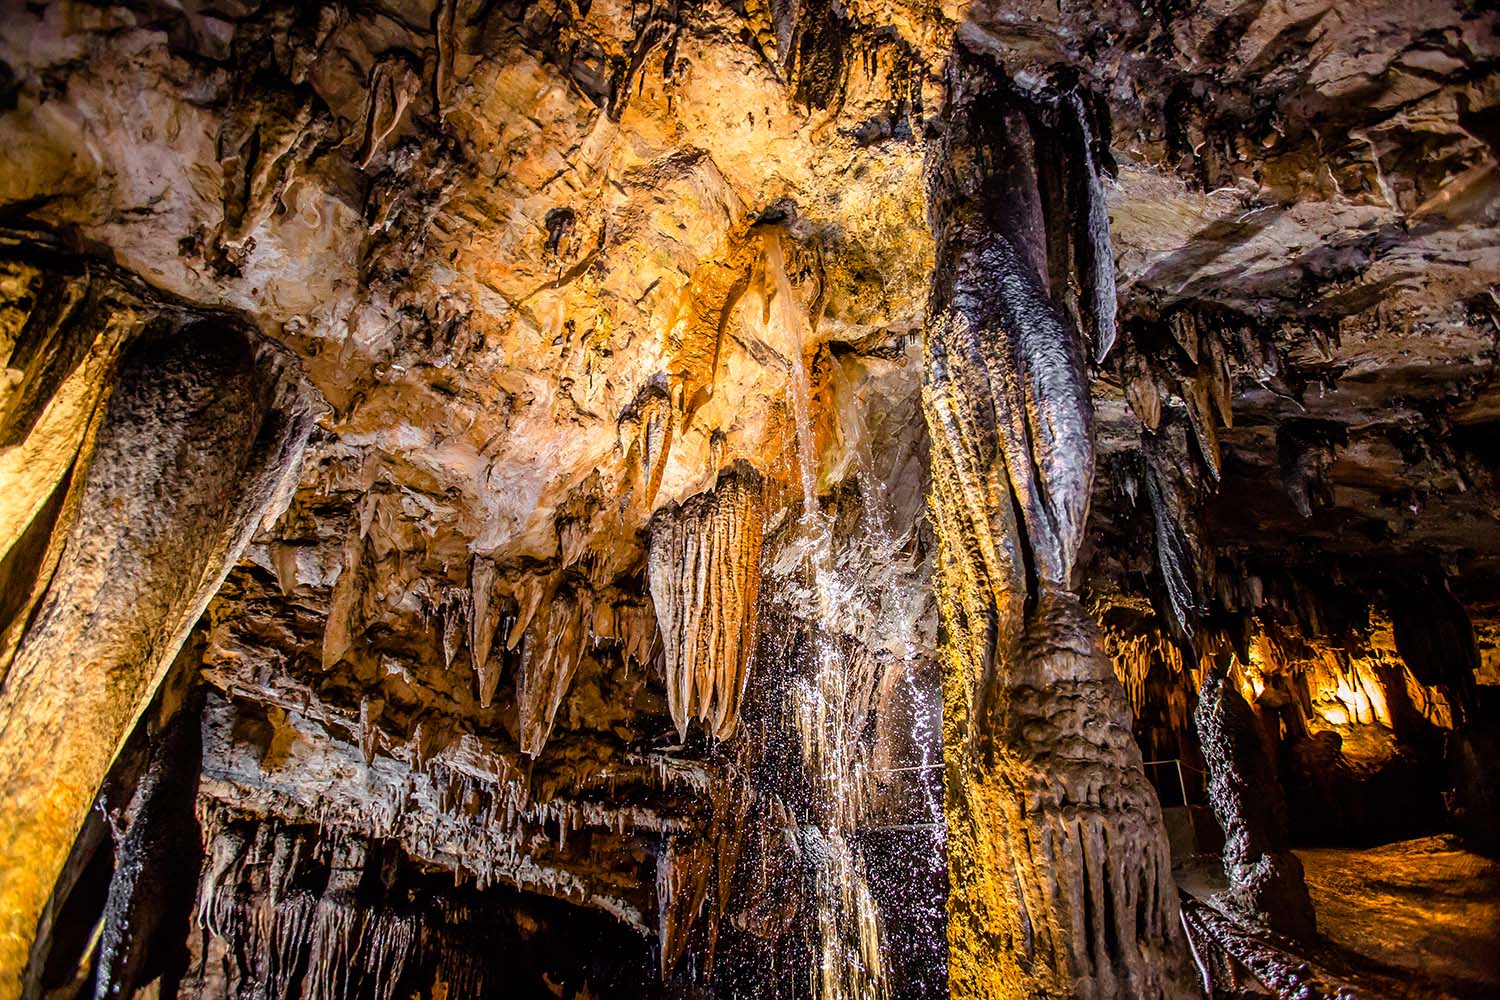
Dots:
{"x": 1414, "y": 919}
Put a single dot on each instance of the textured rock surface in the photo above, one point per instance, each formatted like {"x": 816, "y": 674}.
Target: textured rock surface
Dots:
{"x": 557, "y": 268}
{"x": 705, "y": 584}
{"x": 1265, "y": 878}
{"x": 1048, "y": 810}
{"x": 196, "y": 436}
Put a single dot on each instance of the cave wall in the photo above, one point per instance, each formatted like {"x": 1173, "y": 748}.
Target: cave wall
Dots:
{"x": 569, "y": 275}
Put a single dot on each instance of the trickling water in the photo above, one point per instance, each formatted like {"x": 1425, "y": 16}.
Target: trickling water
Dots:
{"x": 844, "y": 632}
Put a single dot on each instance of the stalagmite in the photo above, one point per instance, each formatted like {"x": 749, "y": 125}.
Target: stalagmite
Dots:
{"x": 1435, "y": 636}
{"x": 201, "y": 440}
{"x": 705, "y": 576}
{"x": 1265, "y": 877}
{"x": 1060, "y": 884}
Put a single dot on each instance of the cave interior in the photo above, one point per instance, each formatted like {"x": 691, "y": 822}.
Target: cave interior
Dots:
{"x": 778, "y": 499}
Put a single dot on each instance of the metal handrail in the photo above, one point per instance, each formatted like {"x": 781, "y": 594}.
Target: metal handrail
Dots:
{"x": 1176, "y": 763}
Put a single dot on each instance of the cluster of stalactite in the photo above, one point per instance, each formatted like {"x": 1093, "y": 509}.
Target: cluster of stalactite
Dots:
{"x": 285, "y": 911}
{"x": 584, "y": 831}
{"x": 705, "y": 573}
{"x": 1340, "y": 720}
{"x": 145, "y": 443}
{"x": 543, "y": 625}
{"x": 1178, "y": 372}
{"x": 1060, "y": 878}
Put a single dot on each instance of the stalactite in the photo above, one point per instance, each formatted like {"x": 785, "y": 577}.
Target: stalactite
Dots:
{"x": 484, "y": 621}
{"x": 454, "y": 614}
{"x": 1096, "y": 258}
{"x": 1306, "y": 451}
{"x": 261, "y": 144}
{"x": 1184, "y": 327}
{"x": 550, "y": 656}
{"x": 1171, "y": 494}
{"x": 346, "y": 603}
{"x": 393, "y": 85}
{"x": 657, "y": 417}
{"x": 1142, "y": 391}
{"x": 683, "y": 867}
{"x": 1265, "y": 877}
{"x": 704, "y": 568}
{"x": 1220, "y": 378}
{"x": 1196, "y": 392}
{"x": 635, "y": 630}
{"x": 1059, "y": 875}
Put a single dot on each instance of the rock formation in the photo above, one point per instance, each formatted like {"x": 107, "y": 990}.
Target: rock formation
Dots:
{"x": 757, "y": 487}
{"x": 1054, "y": 837}
{"x": 186, "y": 444}
{"x": 704, "y": 567}
{"x": 1265, "y": 877}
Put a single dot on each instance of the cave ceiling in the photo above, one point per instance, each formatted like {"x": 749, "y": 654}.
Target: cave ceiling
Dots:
{"x": 555, "y": 270}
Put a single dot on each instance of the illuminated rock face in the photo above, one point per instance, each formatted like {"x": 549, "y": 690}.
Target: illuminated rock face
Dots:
{"x": 696, "y": 398}
{"x": 1049, "y": 813}
{"x": 194, "y": 436}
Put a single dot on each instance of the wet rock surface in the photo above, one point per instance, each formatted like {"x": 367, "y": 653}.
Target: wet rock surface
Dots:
{"x": 514, "y": 651}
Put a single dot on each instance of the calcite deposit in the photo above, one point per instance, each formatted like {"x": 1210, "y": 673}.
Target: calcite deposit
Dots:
{"x": 751, "y": 498}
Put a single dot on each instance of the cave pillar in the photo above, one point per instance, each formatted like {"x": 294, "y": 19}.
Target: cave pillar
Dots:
{"x": 1060, "y": 879}
{"x": 1265, "y": 877}
{"x": 200, "y": 439}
